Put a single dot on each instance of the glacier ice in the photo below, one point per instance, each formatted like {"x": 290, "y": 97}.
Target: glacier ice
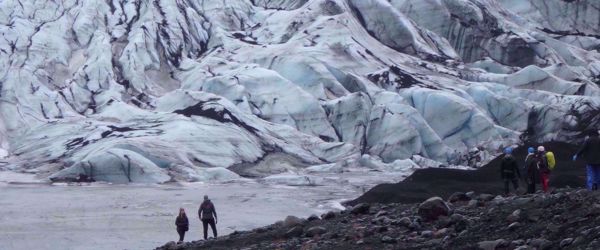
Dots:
{"x": 160, "y": 91}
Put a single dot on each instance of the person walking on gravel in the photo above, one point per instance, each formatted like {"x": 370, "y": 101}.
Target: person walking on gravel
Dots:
{"x": 590, "y": 151}
{"x": 208, "y": 216}
{"x": 542, "y": 165}
{"x": 182, "y": 224}
{"x": 531, "y": 170}
{"x": 509, "y": 170}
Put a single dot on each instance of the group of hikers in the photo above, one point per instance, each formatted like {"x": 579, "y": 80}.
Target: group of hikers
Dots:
{"x": 538, "y": 164}
{"x": 207, "y": 214}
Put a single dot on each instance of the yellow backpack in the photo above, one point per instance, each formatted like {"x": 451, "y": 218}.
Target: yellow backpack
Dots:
{"x": 551, "y": 160}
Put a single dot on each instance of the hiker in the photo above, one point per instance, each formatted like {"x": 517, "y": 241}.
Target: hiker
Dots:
{"x": 208, "y": 216}
{"x": 509, "y": 170}
{"x": 590, "y": 151}
{"x": 542, "y": 165}
{"x": 531, "y": 170}
{"x": 182, "y": 224}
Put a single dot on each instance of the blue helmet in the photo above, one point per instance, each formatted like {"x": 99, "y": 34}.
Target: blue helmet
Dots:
{"x": 508, "y": 150}
{"x": 531, "y": 150}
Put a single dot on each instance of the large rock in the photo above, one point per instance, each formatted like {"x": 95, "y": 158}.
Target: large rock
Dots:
{"x": 433, "y": 208}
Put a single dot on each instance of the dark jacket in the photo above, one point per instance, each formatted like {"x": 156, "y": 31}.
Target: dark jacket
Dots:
{"x": 207, "y": 211}
{"x": 182, "y": 223}
{"x": 531, "y": 168}
{"x": 590, "y": 151}
{"x": 542, "y": 162}
{"x": 509, "y": 169}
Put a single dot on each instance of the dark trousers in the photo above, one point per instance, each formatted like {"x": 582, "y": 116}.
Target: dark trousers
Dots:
{"x": 593, "y": 176}
{"x": 530, "y": 184}
{"x": 181, "y": 233}
{"x": 211, "y": 222}
{"x": 515, "y": 183}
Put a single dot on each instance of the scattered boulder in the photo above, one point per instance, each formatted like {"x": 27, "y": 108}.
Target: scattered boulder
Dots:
{"x": 296, "y": 231}
{"x": 381, "y": 213}
{"x": 486, "y": 197}
{"x": 566, "y": 242}
{"x": 314, "y": 231}
{"x": 388, "y": 239}
{"x": 541, "y": 243}
{"x": 513, "y": 226}
{"x": 404, "y": 221}
{"x": 313, "y": 217}
{"x": 427, "y": 234}
{"x": 515, "y": 216}
{"x": 492, "y": 245}
{"x": 362, "y": 208}
{"x": 433, "y": 208}
{"x": 329, "y": 215}
{"x": 292, "y": 221}
{"x": 458, "y": 196}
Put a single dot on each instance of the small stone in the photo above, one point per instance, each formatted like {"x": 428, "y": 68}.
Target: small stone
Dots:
{"x": 566, "y": 242}
{"x": 473, "y": 203}
{"x": 381, "y": 213}
{"x": 441, "y": 233}
{"x": 485, "y": 197}
{"x": 314, "y": 231}
{"x": 433, "y": 208}
{"x": 382, "y": 229}
{"x": 458, "y": 196}
{"x": 513, "y": 226}
{"x": 470, "y": 194}
{"x": 328, "y": 215}
{"x": 491, "y": 245}
{"x": 427, "y": 234}
{"x": 404, "y": 221}
{"x": 313, "y": 217}
{"x": 292, "y": 221}
{"x": 360, "y": 242}
{"x": 517, "y": 242}
{"x": 541, "y": 243}
{"x": 443, "y": 221}
{"x": 521, "y": 201}
{"x": 388, "y": 239}
{"x": 362, "y": 208}
{"x": 296, "y": 231}
{"x": 515, "y": 216}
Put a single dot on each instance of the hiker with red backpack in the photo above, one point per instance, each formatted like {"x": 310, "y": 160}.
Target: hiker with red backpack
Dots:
{"x": 545, "y": 162}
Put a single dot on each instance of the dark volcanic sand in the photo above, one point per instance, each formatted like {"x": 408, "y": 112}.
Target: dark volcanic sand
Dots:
{"x": 425, "y": 183}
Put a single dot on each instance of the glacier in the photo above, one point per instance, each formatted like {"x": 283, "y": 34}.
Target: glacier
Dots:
{"x": 286, "y": 90}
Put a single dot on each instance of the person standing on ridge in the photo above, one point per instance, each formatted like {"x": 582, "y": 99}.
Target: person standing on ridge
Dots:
{"x": 182, "y": 224}
{"x": 531, "y": 170}
{"x": 542, "y": 165}
{"x": 509, "y": 170}
{"x": 590, "y": 151}
{"x": 208, "y": 216}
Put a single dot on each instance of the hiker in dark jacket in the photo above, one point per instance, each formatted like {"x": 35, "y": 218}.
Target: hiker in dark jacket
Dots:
{"x": 509, "y": 170}
{"x": 182, "y": 224}
{"x": 531, "y": 170}
{"x": 208, "y": 216}
{"x": 590, "y": 152}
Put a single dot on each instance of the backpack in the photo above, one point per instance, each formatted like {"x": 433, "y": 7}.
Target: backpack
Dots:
{"x": 551, "y": 160}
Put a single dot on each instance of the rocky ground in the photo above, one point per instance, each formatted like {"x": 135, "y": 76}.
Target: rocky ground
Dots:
{"x": 563, "y": 219}
{"x": 400, "y": 216}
